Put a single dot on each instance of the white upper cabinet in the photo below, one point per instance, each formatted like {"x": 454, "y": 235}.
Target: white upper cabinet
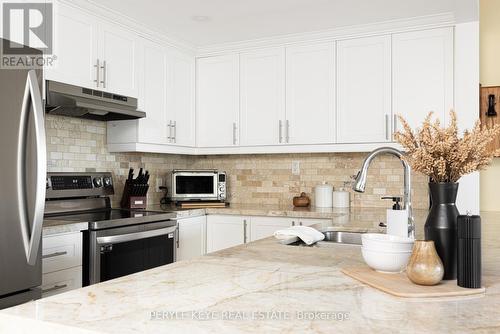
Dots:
{"x": 117, "y": 55}
{"x": 422, "y": 77}
{"x": 75, "y": 46}
{"x": 180, "y": 98}
{"x": 364, "y": 90}
{"x": 310, "y": 94}
{"x": 153, "y": 94}
{"x": 217, "y": 102}
{"x": 262, "y": 99}
{"x": 93, "y": 53}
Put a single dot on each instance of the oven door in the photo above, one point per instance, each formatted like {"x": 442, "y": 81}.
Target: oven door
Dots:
{"x": 126, "y": 250}
{"x": 194, "y": 186}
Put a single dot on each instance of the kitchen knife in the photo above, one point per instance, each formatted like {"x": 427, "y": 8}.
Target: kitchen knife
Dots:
{"x": 130, "y": 174}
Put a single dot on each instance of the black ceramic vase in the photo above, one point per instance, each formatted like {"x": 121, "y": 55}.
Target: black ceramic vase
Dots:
{"x": 441, "y": 225}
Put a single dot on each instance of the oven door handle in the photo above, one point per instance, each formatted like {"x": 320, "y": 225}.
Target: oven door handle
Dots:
{"x": 115, "y": 239}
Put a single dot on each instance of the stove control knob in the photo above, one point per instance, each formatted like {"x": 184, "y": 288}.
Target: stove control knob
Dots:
{"x": 107, "y": 181}
{"x": 97, "y": 182}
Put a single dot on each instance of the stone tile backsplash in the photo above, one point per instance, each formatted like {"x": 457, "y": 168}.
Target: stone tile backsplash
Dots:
{"x": 79, "y": 145}
{"x": 268, "y": 179}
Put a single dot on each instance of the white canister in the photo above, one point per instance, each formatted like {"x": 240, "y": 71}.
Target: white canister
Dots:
{"x": 323, "y": 195}
{"x": 341, "y": 199}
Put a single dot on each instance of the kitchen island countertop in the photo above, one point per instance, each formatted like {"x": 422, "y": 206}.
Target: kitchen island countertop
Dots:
{"x": 262, "y": 287}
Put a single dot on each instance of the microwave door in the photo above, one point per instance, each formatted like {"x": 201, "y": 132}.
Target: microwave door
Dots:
{"x": 195, "y": 186}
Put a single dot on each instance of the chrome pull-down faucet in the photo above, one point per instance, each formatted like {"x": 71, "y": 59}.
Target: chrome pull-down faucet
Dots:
{"x": 360, "y": 182}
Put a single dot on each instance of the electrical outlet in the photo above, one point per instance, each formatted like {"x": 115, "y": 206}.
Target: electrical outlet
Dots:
{"x": 159, "y": 183}
{"x": 296, "y": 167}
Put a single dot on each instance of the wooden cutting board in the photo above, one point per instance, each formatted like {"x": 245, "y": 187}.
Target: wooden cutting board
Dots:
{"x": 399, "y": 285}
{"x": 198, "y": 205}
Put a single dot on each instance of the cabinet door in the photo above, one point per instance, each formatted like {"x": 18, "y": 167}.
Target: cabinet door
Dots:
{"x": 310, "y": 92}
{"x": 118, "y": 56}
{"x": 217, "y": 101}
{"x": 192, "y": 238}
{"x": 364, "y": 90}
{"x": 262, "y": 110}
{"x": 422, "y": 74}
{"x": 154, "y": 127}
{"x": 75, "y": 45}
{"x": 180, "y": 98}
{"x": 263, "y": 227}
{"x": 226, "y": 231}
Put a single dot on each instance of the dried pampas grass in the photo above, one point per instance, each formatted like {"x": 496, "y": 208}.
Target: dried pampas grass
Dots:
{"x": 441, "y": 154}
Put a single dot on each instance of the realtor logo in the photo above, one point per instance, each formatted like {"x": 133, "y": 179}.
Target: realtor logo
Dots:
{"x": 27, "y": 26}
{"x": 27, "y": 31}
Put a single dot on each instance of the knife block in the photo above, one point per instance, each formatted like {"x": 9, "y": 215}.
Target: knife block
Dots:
{"x": 134, "y": 196}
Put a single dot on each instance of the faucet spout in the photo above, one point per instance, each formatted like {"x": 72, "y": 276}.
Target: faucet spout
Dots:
{"x": 360, "y": 181}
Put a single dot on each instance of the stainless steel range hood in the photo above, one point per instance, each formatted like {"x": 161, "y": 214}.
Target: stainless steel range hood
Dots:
{"x": 75, "y": 101}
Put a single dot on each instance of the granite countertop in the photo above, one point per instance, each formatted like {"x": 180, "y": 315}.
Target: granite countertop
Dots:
{"x": 53, "y": 226}
{"x": 267, "y": 281}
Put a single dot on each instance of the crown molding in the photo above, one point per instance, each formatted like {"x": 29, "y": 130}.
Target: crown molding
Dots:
{"x": 364, "y": 30}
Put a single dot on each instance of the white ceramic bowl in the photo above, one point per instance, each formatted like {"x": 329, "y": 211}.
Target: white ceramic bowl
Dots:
{"x": 387, "y": 262}
{"x": 386, "y": 242}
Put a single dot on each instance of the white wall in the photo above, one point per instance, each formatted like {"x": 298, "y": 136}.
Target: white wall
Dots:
{"x": 466, "y": 103}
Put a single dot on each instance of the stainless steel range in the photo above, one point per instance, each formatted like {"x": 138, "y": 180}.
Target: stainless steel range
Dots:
{"x": 118, "y": 242}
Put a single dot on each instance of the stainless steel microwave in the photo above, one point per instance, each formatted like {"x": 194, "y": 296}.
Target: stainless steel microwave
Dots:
{"x": 197, "y": 185}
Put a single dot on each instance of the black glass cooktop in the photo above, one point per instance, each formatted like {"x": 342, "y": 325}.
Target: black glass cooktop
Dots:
{"x": 109, "y": 214}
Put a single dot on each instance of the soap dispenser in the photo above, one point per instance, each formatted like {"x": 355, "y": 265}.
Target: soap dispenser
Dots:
{"x": 397, "y": 218}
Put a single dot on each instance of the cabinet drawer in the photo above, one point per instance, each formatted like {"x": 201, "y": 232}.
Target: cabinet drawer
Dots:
{"x": 61, "y": 281}
{"x": 61, "y": 251}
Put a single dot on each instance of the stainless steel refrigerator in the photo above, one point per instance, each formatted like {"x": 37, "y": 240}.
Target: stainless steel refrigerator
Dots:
{"x": 22, "y": 184}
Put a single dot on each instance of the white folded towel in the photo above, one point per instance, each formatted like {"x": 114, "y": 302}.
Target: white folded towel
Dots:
{"x": 307, "y": 234}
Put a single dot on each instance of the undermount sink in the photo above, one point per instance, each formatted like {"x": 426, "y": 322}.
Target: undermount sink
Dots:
{"x": 342, "y": 237}
{"x": 332, "y": 238}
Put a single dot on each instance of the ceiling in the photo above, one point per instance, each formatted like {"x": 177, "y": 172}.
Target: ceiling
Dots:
{"x": 208, "y": 22}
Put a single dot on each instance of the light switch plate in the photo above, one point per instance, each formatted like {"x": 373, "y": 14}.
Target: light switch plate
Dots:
{"x": 296, "y": 167}
{"x": 159, "y": 183}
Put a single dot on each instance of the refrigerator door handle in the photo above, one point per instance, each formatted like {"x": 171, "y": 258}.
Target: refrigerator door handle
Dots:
{"x": 31, "y": 238}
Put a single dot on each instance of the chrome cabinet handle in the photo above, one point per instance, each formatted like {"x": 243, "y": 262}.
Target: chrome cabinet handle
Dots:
{"x": 387, "y": 126}
{"x": 280, "y": 124}
{"x": 169, "y": 137}
{"x": 234, "y": 133}
{"x": 31, "y": 225}
{"x": 300, "y": 223}
{"x": 174, "y": 126}
{"x": 103, "y": 67}
{"x": 293, "y": 222}
{"x": 55, "y": 288}
{"x": 287, "y": 131}
{"x": 54, "y": 254}
{"x": 244, "y": 231}
{"x": 97, "y": 70}
{"x": 178, "y": 234}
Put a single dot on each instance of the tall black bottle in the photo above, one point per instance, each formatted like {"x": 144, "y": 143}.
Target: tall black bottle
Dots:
{"x": 441, "y": 225}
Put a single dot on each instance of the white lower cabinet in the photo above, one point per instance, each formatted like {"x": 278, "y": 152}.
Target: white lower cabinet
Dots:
{"x": 61, "y": 281}
{"x": 191, "y": 240}
{"x": 224, "y": 231}
{"x": 61, "y": 263}
{"x": 263, "y": 227}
